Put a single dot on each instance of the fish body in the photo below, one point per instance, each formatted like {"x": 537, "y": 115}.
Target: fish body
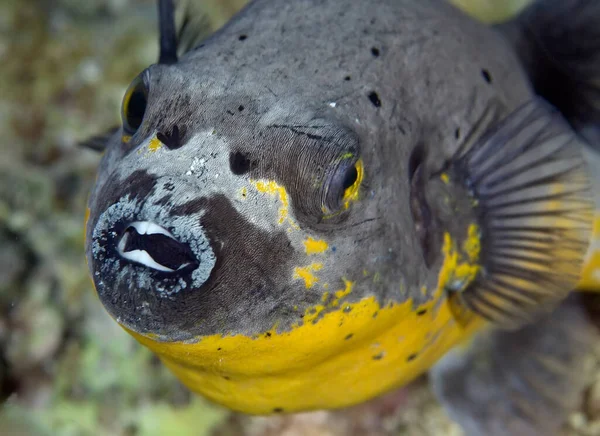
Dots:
{"x": 309, "y": 209}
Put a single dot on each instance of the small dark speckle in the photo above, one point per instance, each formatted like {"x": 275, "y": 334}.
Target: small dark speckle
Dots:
{"x": 226, "y": 377}
{"x": 375, "y": 314}
{"x": 457, "y": 133}
{"x": 411, "y": 357}
{"x": 486, "y": 76}
{"x": 278, "y": 410}
{"x": 268, "y": 335}
{"x": 379, "y": 356}
{"x": 347, "y": 78}
{"x": 349, "y": 336}
{"x": 242, "y": 37}
{"x": 240, "y": 108}
{"x": 374, "y": 99}
{"x": 421, "y": 312}
{"x": 375, "y": 51}
{"x": 219, "y": 349}
{"x": 229, "y": 112}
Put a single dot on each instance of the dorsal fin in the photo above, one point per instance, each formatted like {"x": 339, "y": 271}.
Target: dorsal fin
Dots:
{"x": 167, "y": 32}
{"x": 183, "y": 24}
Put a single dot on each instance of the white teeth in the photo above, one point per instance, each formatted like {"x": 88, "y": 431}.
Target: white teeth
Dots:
{"x": 142, "y": 257}
{"x": 149, "y": 228}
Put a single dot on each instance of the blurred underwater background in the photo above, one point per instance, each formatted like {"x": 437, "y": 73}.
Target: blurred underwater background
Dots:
{"x": 65, "y": 367}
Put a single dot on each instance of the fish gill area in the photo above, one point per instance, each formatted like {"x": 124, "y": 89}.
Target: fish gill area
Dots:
{"x": 65, "y": 367}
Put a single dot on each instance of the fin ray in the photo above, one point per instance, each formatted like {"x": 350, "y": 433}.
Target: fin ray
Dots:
{"x": 532, "y": 194}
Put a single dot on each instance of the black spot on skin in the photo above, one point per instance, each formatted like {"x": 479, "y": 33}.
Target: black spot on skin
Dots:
{"x": 349, "y": 336}
{"x": 138, "y": 186}
{"x": 240, "y": 108}
{"x": 268, "y": 335}
{"x": 375, "y": 314}
{"x": 379, "y": 356}
{"x": 486, "y": 75}
{"x": 375, "y": 51}
{"x": 347, "y": 78}
{"x": 457, "y": 133}
{"x": 226, "y": 377}
{"x": 411, "y": 357}
{"x": 219, "y": 349}
{"x": 278, "y": 410}
{"x": 239, "y": 163}
{"x": 374, "y": 99}
{"x": 242, "y": 37}
{"x": 421, "y": 312}
{"x": 171, "y": 140}
{"x": 229, "y": 112}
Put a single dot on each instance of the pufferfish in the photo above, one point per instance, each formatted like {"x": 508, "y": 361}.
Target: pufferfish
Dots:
{"x": 321, "y": 200}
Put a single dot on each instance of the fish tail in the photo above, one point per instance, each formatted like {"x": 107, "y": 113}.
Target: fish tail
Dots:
{"x": 558, "y": 42}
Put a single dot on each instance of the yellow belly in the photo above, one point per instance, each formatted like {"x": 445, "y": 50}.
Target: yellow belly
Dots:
{"x": 349, "y": 355}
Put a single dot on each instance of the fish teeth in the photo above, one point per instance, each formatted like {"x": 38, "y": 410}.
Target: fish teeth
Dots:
{"x": 142, "y": 257}
{"x": 149, "y": 228}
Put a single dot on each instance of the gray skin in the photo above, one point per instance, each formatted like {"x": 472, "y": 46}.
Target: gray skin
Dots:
{"x": 281, "y": 93}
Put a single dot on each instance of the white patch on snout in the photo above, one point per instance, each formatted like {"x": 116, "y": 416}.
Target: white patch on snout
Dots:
{"x": 142, "y": 256}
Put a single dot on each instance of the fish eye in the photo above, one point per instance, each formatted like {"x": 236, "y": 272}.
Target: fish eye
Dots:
{"x": 134, "y": 105}
{"x": 350, "y": 186}
{"x": 343, "y": 186}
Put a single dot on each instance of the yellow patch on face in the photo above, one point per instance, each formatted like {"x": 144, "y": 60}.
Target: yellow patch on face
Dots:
{"x": 472, "y": 245}
{"x": 590, "y": 273}
{"x": 460, "y": 269}
{"x": 445, "y": 178}
{"x": 272, "y": 188}
{"x": 154, "y": 145}
{"x": 315, "y": 246}
{"x": 306, "y": 274}
{"x": 351, "y": 193}
{"x": 244, "y": 192}
{"x": 125, "y": 138}
{"x": 342, "y": 292}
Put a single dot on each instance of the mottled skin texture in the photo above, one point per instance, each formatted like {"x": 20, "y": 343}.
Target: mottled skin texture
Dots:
{"x": 293, "y": 91}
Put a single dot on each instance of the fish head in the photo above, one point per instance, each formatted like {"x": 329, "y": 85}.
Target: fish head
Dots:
{"x": 290, "y": 241}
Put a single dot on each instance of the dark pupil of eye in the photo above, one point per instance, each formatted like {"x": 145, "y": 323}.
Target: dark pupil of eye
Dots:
{"x": 350, "y": 178}
{"x": 135, "y": 109}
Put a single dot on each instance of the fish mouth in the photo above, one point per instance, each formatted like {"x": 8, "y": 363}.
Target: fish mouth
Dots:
{"x": 151, "y": 245}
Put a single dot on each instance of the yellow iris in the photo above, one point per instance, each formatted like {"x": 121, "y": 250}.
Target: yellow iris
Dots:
{"x": 351, "y": 193}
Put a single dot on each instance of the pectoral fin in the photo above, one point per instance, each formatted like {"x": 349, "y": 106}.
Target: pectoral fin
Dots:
{"x": 531, "y": 198}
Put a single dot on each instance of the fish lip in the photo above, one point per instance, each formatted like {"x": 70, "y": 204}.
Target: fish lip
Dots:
{"x": 149, "y": 215}
{"x": 138, "y": 229}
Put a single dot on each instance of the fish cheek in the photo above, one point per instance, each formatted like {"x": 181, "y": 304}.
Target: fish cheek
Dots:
{"x": 251, "y": 277}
